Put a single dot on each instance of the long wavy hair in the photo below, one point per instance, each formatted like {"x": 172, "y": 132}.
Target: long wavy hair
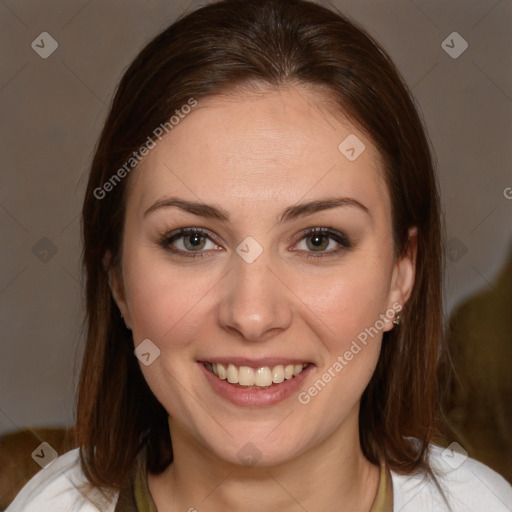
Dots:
{"x": 215, "y": 49}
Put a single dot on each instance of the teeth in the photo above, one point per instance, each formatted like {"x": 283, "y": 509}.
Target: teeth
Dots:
{"x": 262, "y": 377}
{"x": 278, "y": 374}
{"x": 232, "y": 374}
{"x": 245, "y": 376}
{"x": 221, "y": 371}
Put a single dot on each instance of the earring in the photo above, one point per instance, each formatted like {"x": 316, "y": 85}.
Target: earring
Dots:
{"x": 398, "y": 319}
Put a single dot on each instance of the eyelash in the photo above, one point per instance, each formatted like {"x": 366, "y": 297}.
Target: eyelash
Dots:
{"x": 343, "y": 240}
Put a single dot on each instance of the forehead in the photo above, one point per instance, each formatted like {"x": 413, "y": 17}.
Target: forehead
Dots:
{"x": 260, "y": 148}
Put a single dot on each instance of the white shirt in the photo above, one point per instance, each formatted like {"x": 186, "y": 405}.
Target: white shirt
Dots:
{"x": 470, "y": 486}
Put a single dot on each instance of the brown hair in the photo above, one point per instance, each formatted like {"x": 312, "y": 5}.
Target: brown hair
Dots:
{"x": 213, "y": 50}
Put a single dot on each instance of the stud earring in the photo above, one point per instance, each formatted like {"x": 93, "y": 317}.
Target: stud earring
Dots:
{"x": 398, "y": 319}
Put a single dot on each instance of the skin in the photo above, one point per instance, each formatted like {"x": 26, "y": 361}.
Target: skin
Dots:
{"x": 254, "y": 155}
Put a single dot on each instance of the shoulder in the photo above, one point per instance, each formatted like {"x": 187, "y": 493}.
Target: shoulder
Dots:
{"x": 468, "y": 485}
{"x": 60, "y": 487}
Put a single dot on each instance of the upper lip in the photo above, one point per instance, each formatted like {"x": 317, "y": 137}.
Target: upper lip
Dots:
{"x": 255, "y": 363}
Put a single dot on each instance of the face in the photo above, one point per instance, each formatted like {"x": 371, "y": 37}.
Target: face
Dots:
{"x": 257, "y": 250}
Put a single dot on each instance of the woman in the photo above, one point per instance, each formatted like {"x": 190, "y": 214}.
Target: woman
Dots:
{"x": 262, "y": 249}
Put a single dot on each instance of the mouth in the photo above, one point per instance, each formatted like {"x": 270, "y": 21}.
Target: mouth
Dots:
{"x": 260, "y": 377}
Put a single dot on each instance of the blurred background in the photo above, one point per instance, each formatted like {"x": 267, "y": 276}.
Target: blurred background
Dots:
{"x": 60, "y": 62}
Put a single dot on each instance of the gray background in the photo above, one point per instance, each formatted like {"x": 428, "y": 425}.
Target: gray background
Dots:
{"x": 52, "y": 112}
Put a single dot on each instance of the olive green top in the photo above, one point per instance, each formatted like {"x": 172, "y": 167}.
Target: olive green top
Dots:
{"x": 135, "y": 496}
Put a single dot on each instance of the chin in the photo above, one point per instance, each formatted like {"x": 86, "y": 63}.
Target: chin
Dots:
{"x": 258, "y": 450}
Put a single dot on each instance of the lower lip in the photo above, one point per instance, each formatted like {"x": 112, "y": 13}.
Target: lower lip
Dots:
{"x": 255, "y": 397}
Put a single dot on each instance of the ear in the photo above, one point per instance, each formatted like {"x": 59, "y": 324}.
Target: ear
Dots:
{"x": 402, "y": 280}
{"x": 115, "y": 282}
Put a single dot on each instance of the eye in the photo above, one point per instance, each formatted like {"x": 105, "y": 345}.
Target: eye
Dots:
{"x": 315, "y": 242}
{"x": 188, "y": 240}
{"x": 197, "y": 242}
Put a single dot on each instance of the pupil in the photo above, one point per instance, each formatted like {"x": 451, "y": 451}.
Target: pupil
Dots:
{"x": 318, "y": 241}
{"x": 194, "y": 241}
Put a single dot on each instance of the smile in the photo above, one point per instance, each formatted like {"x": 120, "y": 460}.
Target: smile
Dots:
{"x": 255, "y": 383}
{"x": 262, "y": 377}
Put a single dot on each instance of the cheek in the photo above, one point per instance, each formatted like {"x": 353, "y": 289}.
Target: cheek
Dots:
{"x": 349, "y": 307}
{"x": 347, "y": 301}
{"x": 164, "y": 301}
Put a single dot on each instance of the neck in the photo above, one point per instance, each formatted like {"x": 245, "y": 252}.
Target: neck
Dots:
{"x": 330, "y": 476}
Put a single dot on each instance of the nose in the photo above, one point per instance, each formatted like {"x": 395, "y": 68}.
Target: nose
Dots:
{"x": 255, "y": 304}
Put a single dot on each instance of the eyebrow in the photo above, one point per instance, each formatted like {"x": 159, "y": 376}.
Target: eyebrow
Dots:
{"x": 292, "y": 212}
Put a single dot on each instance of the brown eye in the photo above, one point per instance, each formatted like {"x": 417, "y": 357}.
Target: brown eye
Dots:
{"x": 323, "y": 242}
{"x": 188, "y": 242}
{"x": 194, "y": 241}
{"x": 317, "y": 242}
